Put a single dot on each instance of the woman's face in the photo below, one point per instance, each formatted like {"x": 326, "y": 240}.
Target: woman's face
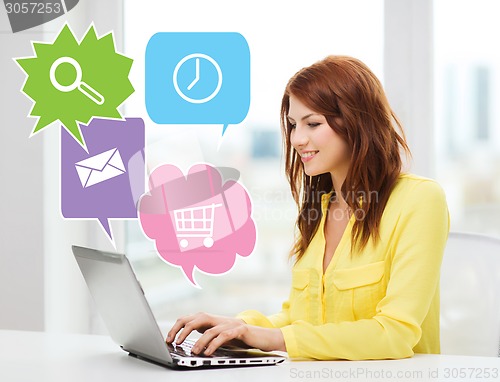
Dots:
{"x": 321, "y": 149}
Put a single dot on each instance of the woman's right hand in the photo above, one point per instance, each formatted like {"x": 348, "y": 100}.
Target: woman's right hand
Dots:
{"x": 199, "y": 322}
{"x": 220, "y": 330}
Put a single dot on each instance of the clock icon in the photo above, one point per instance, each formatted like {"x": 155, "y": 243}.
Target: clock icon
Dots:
{"x": 197, "y": 78}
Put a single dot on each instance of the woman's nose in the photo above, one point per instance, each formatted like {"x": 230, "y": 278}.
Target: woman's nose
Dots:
{"x": 298, "y": 137}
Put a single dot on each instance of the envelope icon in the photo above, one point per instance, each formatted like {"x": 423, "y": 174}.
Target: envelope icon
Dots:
{"x": 100, "y": 168}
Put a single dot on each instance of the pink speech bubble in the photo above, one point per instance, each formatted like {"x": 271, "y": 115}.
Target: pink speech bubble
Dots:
{"x": 197, "y": 221}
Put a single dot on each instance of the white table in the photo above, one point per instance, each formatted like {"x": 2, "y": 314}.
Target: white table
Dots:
{"x": 46, "y": 357}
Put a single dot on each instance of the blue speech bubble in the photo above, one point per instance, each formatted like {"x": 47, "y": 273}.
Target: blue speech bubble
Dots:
{"x": 198, "y": 78}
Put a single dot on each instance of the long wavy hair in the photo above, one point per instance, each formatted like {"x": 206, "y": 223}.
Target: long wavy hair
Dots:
{"x": 343, "y": 88}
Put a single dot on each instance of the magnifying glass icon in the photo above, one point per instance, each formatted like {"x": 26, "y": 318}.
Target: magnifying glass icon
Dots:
{"x": 83, "y": 87}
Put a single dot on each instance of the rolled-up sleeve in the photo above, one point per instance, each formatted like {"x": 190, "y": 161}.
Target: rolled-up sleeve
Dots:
{"x": 278, "y": 320}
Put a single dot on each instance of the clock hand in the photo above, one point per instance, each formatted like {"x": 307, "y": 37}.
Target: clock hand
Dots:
{"x": 197, "y": 75}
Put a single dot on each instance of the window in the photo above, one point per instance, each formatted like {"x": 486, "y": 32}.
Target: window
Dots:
{"x": 467, "y": 123}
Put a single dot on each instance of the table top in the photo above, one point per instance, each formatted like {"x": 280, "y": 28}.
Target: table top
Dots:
{"x": 52, "y": 357}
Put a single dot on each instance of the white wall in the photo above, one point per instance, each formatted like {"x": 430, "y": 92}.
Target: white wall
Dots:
{"x": 41, "y": 287}
{"x": 21, "y": 195}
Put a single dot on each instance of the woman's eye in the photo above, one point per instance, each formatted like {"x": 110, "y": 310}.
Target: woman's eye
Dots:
{"x": 313, "y": 124}
{"x": 293, "y": 125}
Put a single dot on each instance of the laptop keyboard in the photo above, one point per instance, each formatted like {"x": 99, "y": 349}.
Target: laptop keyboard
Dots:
{"x": 184, "y": 350}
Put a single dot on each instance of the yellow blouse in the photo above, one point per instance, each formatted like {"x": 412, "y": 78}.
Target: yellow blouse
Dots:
{"x": 381, "y": 303}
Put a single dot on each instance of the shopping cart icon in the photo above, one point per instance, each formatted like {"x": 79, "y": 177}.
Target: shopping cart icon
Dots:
{"x": 195, "y": 222}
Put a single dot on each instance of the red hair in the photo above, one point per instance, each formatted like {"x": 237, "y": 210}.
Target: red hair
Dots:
{"x": 344, "y": 89}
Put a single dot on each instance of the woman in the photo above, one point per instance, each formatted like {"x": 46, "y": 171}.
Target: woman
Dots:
{"x": 365, "y": 282}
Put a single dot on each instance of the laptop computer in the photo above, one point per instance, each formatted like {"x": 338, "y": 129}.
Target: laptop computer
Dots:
{"x": 128, "y": 317}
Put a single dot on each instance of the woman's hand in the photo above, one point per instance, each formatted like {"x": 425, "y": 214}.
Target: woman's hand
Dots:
{"x": 219, "y": 330}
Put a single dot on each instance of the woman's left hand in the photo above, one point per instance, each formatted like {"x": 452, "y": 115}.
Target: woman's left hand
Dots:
{"x": 218, "y": 331}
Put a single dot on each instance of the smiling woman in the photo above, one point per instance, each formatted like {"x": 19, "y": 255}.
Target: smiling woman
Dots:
{"x": 365, "y": 284}
{"x": 313, "y": 138}
{"x": 354, "y": 128}
{"x": 252, "y": 147}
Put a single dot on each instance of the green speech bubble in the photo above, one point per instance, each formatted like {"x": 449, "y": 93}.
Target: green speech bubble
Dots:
{"x": 73, "y": 81}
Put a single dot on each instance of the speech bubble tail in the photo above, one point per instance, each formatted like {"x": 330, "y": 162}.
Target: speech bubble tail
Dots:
{"x": 224, "y": 128}
{"x": 189, "y": 273}
{"x": 107, "y": 228}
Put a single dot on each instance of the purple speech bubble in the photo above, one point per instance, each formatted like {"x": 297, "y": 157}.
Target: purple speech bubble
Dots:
{"x": 108, "y": 180}
{"x": 197, "y": 221}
